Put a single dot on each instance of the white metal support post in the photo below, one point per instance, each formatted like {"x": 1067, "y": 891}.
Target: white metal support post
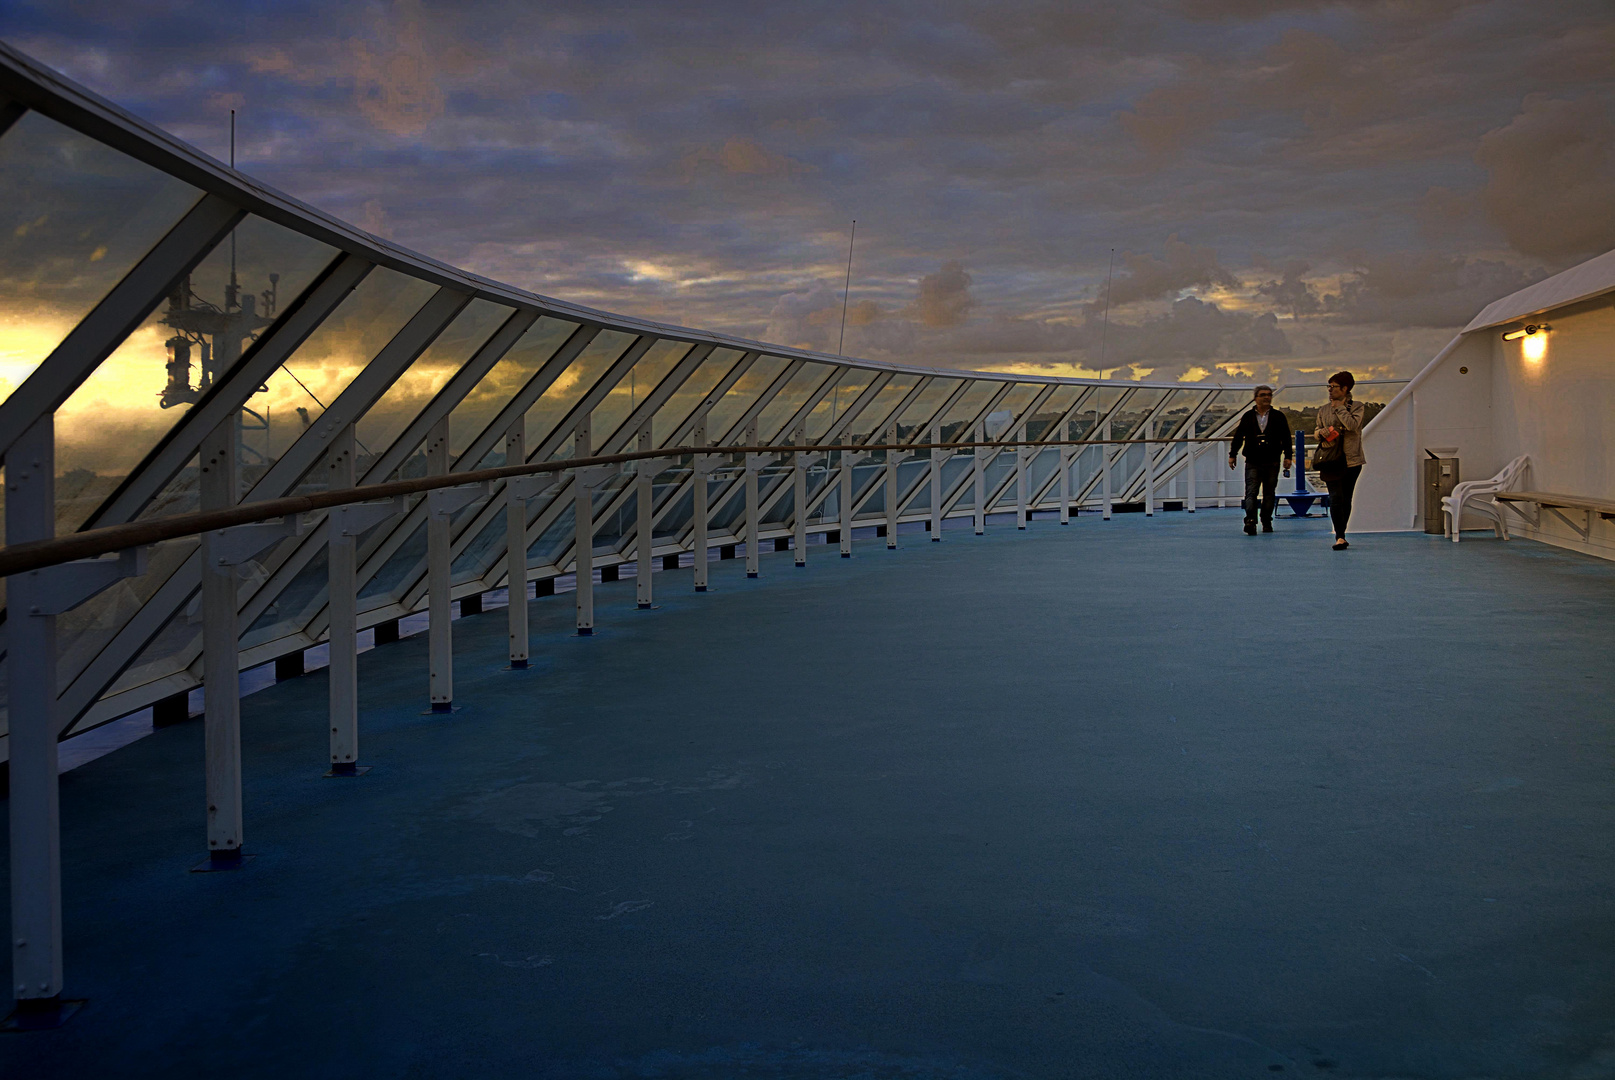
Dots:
{"x": 936, "y": 483}
{"x": 584, "y": 483}
{"x": 36, "y": 857}
{"x": 754, "y": 463}
{"x": 980, "y": 479}
{"x": 1188, "y": 477}
{"x": 1020, "y": 477}
{"x": 1104, "y": 466}
{"x": 35, "y": 599}
{"x": 644, "y": 533}
{"x": 701, "y": 467}
{"x": 440, "y": 636}
{"x": 343, "y": 528}
{"x": 846, "y": 504}
{"x": 1149, "y": 471}
{"x": 516, "y": 545}
{"x": 799, "y": 494}
{"x": 220, "y": 660}
{"x": 891, "y": 490}
{"x": 1065, "y": 485}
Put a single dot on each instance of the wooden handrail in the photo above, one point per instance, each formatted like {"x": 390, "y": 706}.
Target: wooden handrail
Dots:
{"x": 21, "y": 558}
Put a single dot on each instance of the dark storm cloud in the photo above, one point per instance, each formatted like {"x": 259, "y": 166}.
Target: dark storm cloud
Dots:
{"x": 1280, "y": 180}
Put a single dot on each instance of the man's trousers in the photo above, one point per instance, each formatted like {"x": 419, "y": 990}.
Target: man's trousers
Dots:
{"x": 1261, "y": 488}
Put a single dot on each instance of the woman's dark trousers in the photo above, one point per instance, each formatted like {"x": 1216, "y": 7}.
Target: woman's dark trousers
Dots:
{"x": 1341, "y": 485}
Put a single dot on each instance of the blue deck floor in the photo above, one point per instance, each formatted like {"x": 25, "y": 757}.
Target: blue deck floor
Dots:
{"x": 1145, "y": 798}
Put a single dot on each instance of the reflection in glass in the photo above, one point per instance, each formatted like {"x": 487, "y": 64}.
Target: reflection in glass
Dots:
{"x": 741, "y": 396}
{"x": 850, "y": 382}
{"x": 642, "y": 379}
{"x": 1084, "y": 423}
{"x": 145, "y": 387}
{"x": 956, "y": 422}
{"x": 77, "y": 216}
{"x": 919, "y": 413}
{"x": 874, "y": 415}
{"x": 1048, "y": 414}
{"x": 796, "y": 393}
{"x": 568, "y": 389}
{"x": 672, "y": 416}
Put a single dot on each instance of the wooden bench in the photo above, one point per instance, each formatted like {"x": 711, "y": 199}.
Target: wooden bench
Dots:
{"x": 1556, "y": 504}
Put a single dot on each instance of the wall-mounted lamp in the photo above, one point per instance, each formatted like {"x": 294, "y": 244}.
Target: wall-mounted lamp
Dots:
{"x": 1533, "y": 339}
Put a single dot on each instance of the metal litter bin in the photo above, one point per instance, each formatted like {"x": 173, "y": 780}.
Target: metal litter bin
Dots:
{"x": 1440, "y": 477}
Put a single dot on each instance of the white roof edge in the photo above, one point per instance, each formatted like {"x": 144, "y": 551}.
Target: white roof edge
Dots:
{"x": 1591, "y": 278}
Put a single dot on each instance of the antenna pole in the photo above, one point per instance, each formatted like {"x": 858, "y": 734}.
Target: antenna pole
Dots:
{"x": 846, "y": 290}
{"x": 233, "y": 284}
{"x": 1104, "y": 331}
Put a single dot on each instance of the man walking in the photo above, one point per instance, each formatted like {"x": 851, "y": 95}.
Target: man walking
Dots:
{"x": 1265, "y": 435}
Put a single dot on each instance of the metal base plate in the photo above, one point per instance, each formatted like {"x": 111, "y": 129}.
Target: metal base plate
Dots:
{"x": 41, "y": 1016}
{"x": 210, "y": 865}
{"x": 352, "y": 770}
{"x": 438, "y": 710}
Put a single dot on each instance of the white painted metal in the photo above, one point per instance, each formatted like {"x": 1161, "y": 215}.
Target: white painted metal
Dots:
{"x": 584, "y": 483}
{"x": 1189, "y": 484}
{"x": 516, "y": 545}
{"x": 220, "y": 674}
{"x": 35, "y": 826}
{"x": 1020, "y": 478}
{"x": 701, "y": 467}
{"x": 845, "y": 503}
{"x": 1065, "y": 485}
{"x": 1104, "y": 466}
{"x": 891, "y": 489}
{"x": 937, "y": 458}
{"x": 799, "y": 499}
{"x": 644, "y": 533}
{"x": 341, "y": 560}
{"x": 980, "y": 477}
{"x": 439, "y": 631}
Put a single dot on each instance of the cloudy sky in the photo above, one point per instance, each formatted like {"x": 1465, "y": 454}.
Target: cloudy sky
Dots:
{"x": 1281, "y": 188}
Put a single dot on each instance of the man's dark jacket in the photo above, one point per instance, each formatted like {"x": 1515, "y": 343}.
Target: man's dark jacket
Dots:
{"x": 1263, "y": 447}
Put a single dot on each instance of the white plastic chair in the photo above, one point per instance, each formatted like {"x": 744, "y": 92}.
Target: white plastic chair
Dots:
{"x": 1475, "y": 498}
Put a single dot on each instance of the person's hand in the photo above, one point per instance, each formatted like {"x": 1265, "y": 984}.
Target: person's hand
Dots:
{"x": 1232, "y": 461}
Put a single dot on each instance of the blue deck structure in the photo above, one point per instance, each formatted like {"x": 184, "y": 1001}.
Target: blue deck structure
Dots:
{"x": 1022, "y": 805}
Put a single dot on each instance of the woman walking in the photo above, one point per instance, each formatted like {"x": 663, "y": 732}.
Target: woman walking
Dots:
{"x": 1339, "y": 457}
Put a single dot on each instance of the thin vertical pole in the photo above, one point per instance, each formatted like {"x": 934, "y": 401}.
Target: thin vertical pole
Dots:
{"x": 698, "y": 487}
{"x": 891, "y": 491}
{"x": 1149, "y": 471}
{"x": 846, "y": 505}
{"x": 439, "y": 629}
{"x": 341, "y": 561}
{"x": 221, "y": 672}
{"x": 1188, "y": 477}
{"x": 980, "y": 480}
{"x": 1105, "y": 330}
{"x": 846, "y": 289}
{"x": 516, "y": 548}
{"x": 644, "y": 541}
{"x": 754, "y": 463}
{"x": 36, "y": 858}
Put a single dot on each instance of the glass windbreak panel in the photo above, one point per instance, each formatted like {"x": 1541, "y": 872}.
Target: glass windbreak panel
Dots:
{"x": 323, "y": 366}
{"x": 1012, "y": 404}
{"x": 1084, "y": 423}
{"x": 796, "y": 393}
{"x": 741, "y": 396}
{"x": 82, "y": 633}
{"x": 295, "y": 606}
{"x": 568, "y": 389}
{"x": 399, "y": 568}
{"x": 955, "y": 425}
{"x": 1175, "y": 412}
{"x": 632, "y": 389}
{"x": 489, "y": 544}
{"x": 1126, "y": 421}
{"x": 874, "y": 416}
{"x": 161, "y": 370}
{"x": 1048, "y": 414}
{"x": 412, "y": 391}
{"x": 675, "y": 412}
{"x": 175, "y": 646}
{"x": 494, "y": 391}
{"x": 77, "y": 217}
{"x": 849, "y": 383}
{"x": 1223, "y": 408}
{"x": 914, "y": 418}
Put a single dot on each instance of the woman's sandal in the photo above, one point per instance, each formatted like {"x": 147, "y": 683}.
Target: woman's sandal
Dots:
{"x": 1341, "y": 545}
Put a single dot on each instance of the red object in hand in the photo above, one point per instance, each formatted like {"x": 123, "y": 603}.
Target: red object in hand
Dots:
{"x": 1331, "y": 435}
